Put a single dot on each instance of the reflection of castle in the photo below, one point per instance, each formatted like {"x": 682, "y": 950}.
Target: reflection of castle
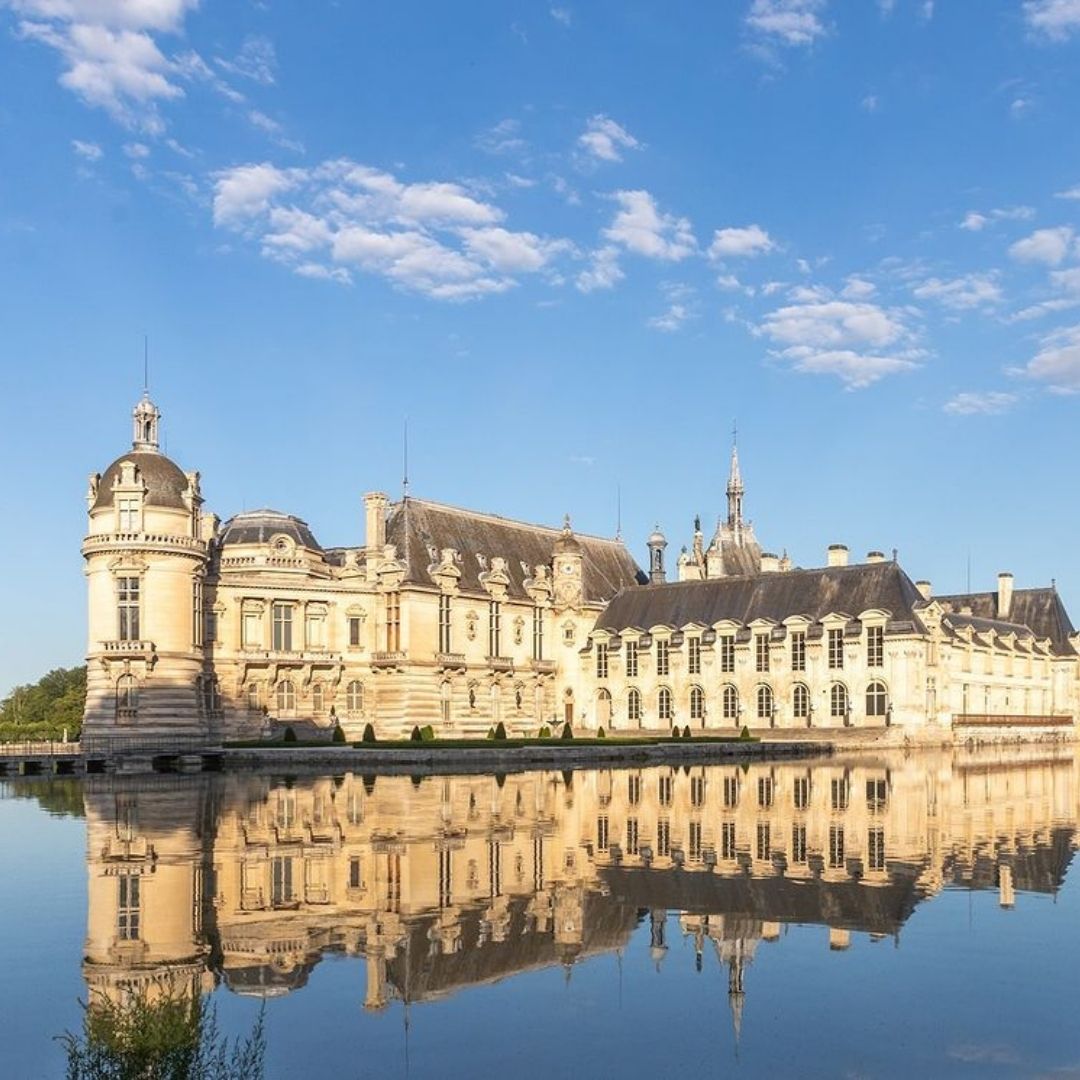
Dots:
{"x": 444, "y": 883}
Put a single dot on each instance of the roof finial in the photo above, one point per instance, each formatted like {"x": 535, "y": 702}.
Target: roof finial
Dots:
{"x": 405, "y": 461}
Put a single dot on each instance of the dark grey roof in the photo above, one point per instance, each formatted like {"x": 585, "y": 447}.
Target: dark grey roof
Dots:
{"x": 420, "y": 530}
{"x": 1040, "y": 610}
{"x": 164, "y": 480}
{"x": 814, "y": 593}
{"x": 257, "y": 526}
{"x": 981, "y": 626}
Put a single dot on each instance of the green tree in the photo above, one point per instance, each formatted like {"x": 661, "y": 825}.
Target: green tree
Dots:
{"x": 45, "y": 709}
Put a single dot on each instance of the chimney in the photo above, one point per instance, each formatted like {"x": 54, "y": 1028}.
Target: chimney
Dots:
{"x": 838, "y": 555}
{"x": 925, "y": 589}
{"x": 875, "y": 556}
{"x": 375, "y": 503}
{"x": 1005, "y": 591}
{"x": 770, "y": 563}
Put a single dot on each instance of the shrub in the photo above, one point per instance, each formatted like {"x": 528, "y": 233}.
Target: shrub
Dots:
{"x": 414, "y": 735}
{"x": 675, "y": 732}
{"x": 427, "y": 733}
{"x": 338, "y": 736}
{"x": 686, "y": 732}
{"x": 745, "y": 733}
{"x": 567, "y": 732}
{"x": 601, "y": 733}
{"x": 290, "y": 735}
{"x": 369, "y": 733}
{"x": 490, "y": 734}
{"x": 500, "y": 730}
{"x": 544, "y": 732}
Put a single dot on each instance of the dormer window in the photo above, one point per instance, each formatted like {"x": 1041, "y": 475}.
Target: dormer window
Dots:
{"x": 128, "y": 513}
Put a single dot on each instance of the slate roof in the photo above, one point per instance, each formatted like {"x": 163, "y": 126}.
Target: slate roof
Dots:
{"x": 257, "y": 526}
{"x": 814, "y": 593}
{"x": 164, "y": 480}
{"x": 420, "y": 530}
{"x": 1038, "y": 610}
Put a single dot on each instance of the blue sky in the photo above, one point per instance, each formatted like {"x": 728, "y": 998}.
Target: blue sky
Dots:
{"x": 571, "y": 243}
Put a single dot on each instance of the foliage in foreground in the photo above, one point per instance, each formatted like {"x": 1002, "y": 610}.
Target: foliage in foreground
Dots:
{"x": 43, "y": 710}
{"x": 171, "y": 1038}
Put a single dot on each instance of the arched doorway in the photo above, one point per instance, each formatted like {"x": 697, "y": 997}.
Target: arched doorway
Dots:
{"x": 603, "y": 708}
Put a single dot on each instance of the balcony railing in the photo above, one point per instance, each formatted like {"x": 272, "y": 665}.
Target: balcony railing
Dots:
{"x": 160, "y": 541}
{"x": 544, "y": 667}
{"x": 387, "y": 659}
{"x": 127, "y": 648}
{"x": 1001, "y": 720}
{"x": 500, "y": 663}
{"x": 450, "y": 660}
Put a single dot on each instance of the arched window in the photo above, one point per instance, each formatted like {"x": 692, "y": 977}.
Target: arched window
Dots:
{"x": 730, "y": 702}
{"x": 127, "y": 698}
{"x": 603, "y": 708}
{"x": 697, "y": 703}
{"x": 286, "y": 698}
{"x": 354, "y": 698}
{"x": 318, "y": 698}
{"x": 877, "y": 699}
{"x": 663, "y": 703}
{"x": 800, "y": 702}
{"x": 765, "y": 703}
{"x": 253, "y": 697}
{"x": 633, "y": 707}
{"x": 838, "y": 701}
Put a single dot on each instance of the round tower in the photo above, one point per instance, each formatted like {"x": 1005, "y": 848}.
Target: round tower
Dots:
{"x": 657, "y": 544}
{"x": 146, "y": 561}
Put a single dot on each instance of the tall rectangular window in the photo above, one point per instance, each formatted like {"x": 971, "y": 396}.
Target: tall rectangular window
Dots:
{"x": 836, "y": 649}
{"x": 877, "y": 795}
{"x": 798, "y": 843}
{"x": 693, "y": 656}
{"x": 251, "y": 630}
{"x": 446, "y": 877}
{"x": 731, "y": 792}
{"x": 840, "y": 792}
{"x": 665, "y": 788}
{"x": 602, "y": 833}
{"x": 631, "y": 836}
{"x": 281, "y": 882}
{"x": 197, "y": 620}
{"x": 875, "y": 849}
{"x": 354, "y": 632}
{"x": 128, "y": 515}
{"x": 663, "y": 657}
{"x": 697, "y": 791}
{"x": 494, "y": 628}
{"x": 727, "y": 653}
{"x": 281, "y": 627}
{"x": 836, "y": 846}
{"x": 631, "y": 659}
{"x": 128, "y": 907}
{"x": 356, "y": 874}
{"x": 633, "y": 789}
{"x": 761, "y": 652}
{"x": 538, "y": 633}
{"x": 764, "y": 841}
{"x": 393, "y": 622}
{"x": 694, "y": 843}
{"x": 315, "y": 629}
{"x": 802, "y": 792}
{"x": 765, "y": 792}
{"x": 444, "y": 623}
{"x": 875, "y": 646}
{"x": 127, "y": 608}
{"x": 727, "y": 840}
{"x": 601, "y": 660}
{"x": 663, "y": 838}
{"x": 798, "y": 650}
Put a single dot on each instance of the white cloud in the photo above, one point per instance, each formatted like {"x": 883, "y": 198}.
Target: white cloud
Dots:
{"x": 88, "y": 151}
{"x": 730, "y": 283}
{"x": 136, "y": 150}
{"x": 256, "y": 61}
{"x": 502, "y": 138}
{"x": 436, "y": 238}
{"x": 640, "y": 227}
{"x": 1054, "y": 19}
{"x": 870, "y": 103}
{"x": 974, "y": 221}
{"x": 857, "y": 288}
{"x": 748, "y": 241}
{"x": 671, "y": 320}
{"x": 859, "y": 343}
{"x": 1065, "y": 282}
{"x": 1020, "y": 106}
{"x": 1044, "y": 245}
{"x": 269, "y": 126}
{"x": 786, "y": 22}
{"x": 603, "y": 139}
{"x": 603, "y": 272}
{"x": 1069, "y": 193}
{"x": 561, "y": 15}
{"x": 962, "y": 293}
{"x": 1057, "y": 363}
{"x": 973, "y": 403}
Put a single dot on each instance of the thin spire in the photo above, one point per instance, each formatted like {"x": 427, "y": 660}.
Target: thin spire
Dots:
{"x": 735, "y": 489}
{"x": 618, "y": 511}
{"x": 405, "y": 462}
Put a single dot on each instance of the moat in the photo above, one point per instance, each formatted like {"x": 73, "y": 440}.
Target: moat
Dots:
{"x": 869, "y": 914}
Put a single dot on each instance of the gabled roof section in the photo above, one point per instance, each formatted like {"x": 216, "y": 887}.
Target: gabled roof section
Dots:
{"x": 1038, "y": 610}
{"x": 420, "y": 530}
{"x": 814, "y": 593}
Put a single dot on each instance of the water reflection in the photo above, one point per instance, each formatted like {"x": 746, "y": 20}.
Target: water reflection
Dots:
{"x": 445, "y": 883}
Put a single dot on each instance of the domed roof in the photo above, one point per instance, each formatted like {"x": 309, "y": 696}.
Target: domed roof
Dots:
{"x": 258, "y": 526}
{"x": 164, "y": 480}
{"x": 657, "y": 539}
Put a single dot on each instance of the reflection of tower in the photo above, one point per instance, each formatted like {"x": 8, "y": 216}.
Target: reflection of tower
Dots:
{"x": 736, "y": 993}
{"x": 658, "y": 936}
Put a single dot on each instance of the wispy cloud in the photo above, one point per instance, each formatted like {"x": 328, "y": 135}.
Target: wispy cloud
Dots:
{"x": 976, "y": 221}
{"x": 962, "y": 293}
{"x": 1056, "y": 20}
{"x": 786, "y": 22}
{"x": 604, "y": 140}
{"x": 256, "y": 60}
{"x": 976, "y": 403}
{"x": 1048, "y": 246}
{"x": 561, "y": 15}
{"x": 88, "y": 151}
{"x": 1057, "y": 363}
{"x": 603, "y": 271}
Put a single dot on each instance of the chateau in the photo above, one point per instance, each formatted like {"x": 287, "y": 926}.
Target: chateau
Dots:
{"x": 206, "y": 629}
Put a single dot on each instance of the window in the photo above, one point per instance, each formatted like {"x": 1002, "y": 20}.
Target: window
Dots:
{"x": 697, "y": 791}
{"x": 631, "y": 836}
{"x": 356, "y": 874}
{"x": 765, "y": 791}
{"x": 355, "y": 640}
{"x": 318, "y": 698}
{"x": 663, "y": 657}
{"x": 727, "y": 840}
{"x": 253, "y": 697}
{"x": 877, "y": 700}
{"x": 354, "y": 698}
{"x": 875, "y": 646}
{"x": 251, "y": 630}
{"x": 211, "y": 695}
{"x": 836, "y": 846}
{"x": 281, "y": 632}
{"x": 875, "y": 849}
{"x": 729, "y": 702}
{"x": 836, "y": 649}
{"x": 602, "y": 833}
{"x": 286, "y": 698}
{"x": 838, "y": 701}
{"x": 601, "y": 660}
{"x": 801, "y": 792}
{"x": 800, "y": 702}
{"x": 798, "y": 843}
{"x": 731, "y": 792}
{"x": 281, "y": 882}
{"x": 764, "y": 841}
{"x": 693, "y": 656}
{"x": 765, "y": 703}
{"x": 315, "y": 629}
{"x": 197, "y": 624}
{"x": 663, "y": 838}
{"x": 633, "y": 707}
{"x": 393, "y": 622}
{"x": 665, "y": 790}
{"x": 697, "y": 703}
{"x": 128, "y": 907}
{"x": 128, "y": 515}
{"x": 633, "y": 790}
{"x": 494, "y": 628}
{"x": 839, "y": 793}
{"x": 664, "y": 708}
{"x": 877, "y": 795}
{"x": 798, "y": 650}
{"x": 631, "y": 659}
{"x": 727, "y": 653}
{"x": 127, "y": 698}
{"x": 538, "y": 633}
{"x": 444, "y": 623}
{"x": 694, "y": 843}
{"x": 761, "y": 652}
{"x": 127, "y": 608}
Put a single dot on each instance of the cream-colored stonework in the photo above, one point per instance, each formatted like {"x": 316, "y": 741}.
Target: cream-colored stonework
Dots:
{"x": 206, "y": 630}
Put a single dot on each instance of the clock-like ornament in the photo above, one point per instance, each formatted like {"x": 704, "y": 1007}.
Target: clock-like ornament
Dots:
{"x": 568, "y": 568}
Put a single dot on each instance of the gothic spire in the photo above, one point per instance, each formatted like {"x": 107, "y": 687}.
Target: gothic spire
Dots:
{"x": 735, "y": 490}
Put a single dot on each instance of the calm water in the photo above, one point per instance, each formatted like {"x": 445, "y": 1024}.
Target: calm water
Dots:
{"x": 861, "y": 918}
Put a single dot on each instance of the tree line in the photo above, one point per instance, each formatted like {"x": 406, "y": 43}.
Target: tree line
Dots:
{"x": 45, "y": 709}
